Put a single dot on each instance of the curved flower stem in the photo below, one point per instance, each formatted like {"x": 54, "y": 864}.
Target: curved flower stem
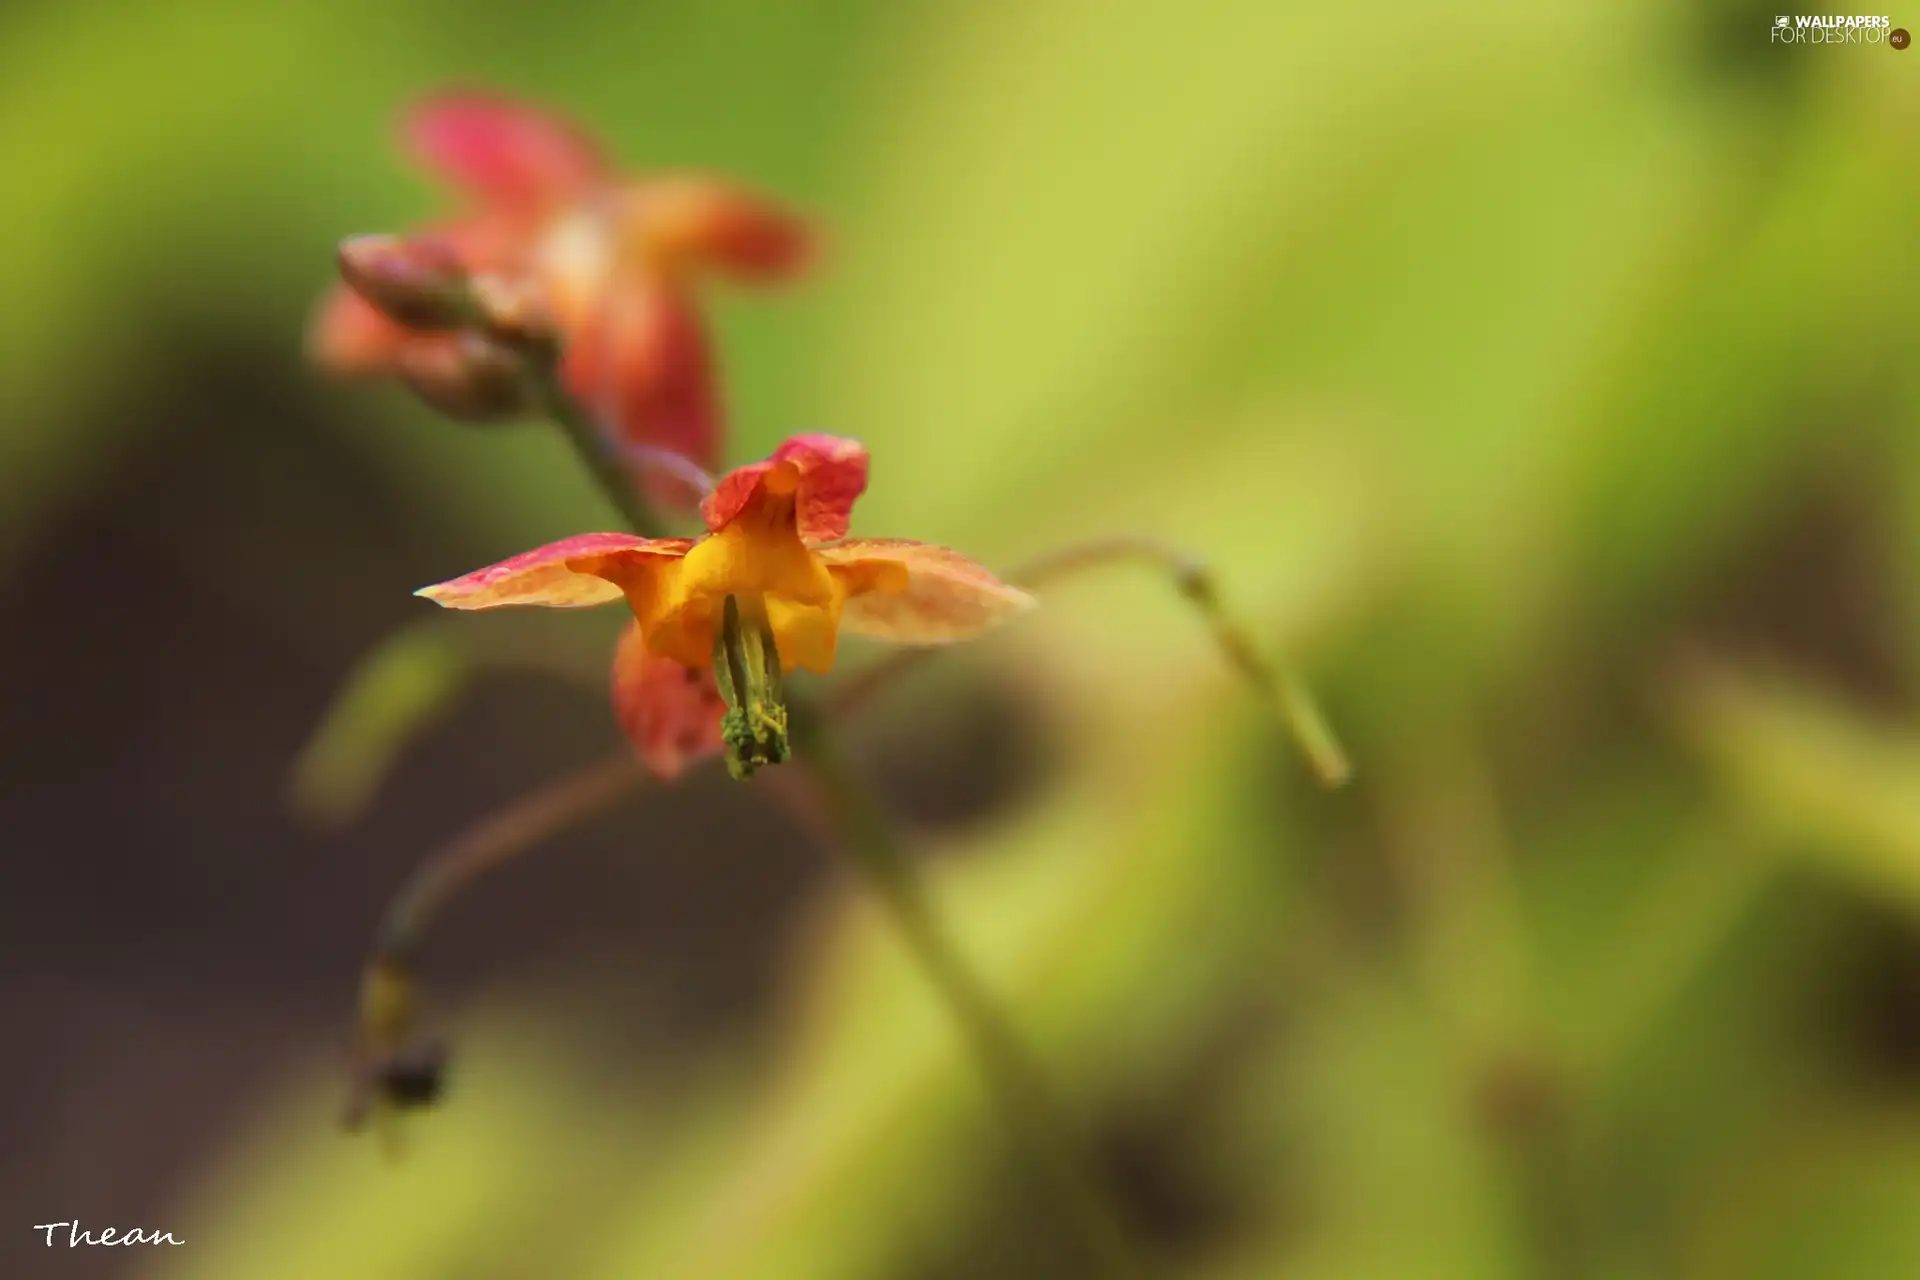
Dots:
{"x": 1016, "y": 1078}
{"x": 590, "y": 443}
{"x": 1194, "y": 580}
{"x": 497, "y": 839}
{"x": 402, "y": 687}
{"x": 1012, "y": 1072}
{"x": 668, "y": 463}
{"x": 388, "y": 993}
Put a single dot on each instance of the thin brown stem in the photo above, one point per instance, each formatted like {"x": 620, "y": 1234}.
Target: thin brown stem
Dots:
{"x": 1195, "y": 581}
{"x": 393, "y": 1068}
{"x": 1012, "y": 1071}
{"x": 498, "y": 838}
{"x": 590, "y": 443}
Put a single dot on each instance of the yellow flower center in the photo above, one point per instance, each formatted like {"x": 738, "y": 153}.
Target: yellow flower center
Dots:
{"x": 760, "y": 559}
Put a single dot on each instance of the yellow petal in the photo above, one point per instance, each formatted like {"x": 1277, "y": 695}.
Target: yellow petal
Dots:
{"x": 806, "y": 634}
{"x": 655, "y": 589}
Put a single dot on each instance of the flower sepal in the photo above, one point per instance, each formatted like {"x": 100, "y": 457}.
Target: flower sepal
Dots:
{"x": 418, "y": 282}
{"x": 471, "y": 377}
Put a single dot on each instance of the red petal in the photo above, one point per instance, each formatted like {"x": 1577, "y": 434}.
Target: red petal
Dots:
{"x": 349, "y": 336}
{"x": 672, "y": 713}
{"x": 702, "y": 220}
{"x": 542, "y": 576}
{"x": 638, "y": 359}
{"x": 917, "y": 593}
{"x": 827, "y": 474}
{"x": 504, "y": 152}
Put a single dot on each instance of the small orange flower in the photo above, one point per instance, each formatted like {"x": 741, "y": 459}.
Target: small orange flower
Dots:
{"x": 612, "y": 259}
{"x": 776, "y": 541}
{"x": 775, "y": 554}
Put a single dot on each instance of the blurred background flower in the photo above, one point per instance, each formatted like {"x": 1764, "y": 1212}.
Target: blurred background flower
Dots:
{"x": 1534, "y": 374}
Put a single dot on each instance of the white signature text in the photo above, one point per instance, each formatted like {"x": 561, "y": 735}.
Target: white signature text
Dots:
{"x": 106, "y": 1235}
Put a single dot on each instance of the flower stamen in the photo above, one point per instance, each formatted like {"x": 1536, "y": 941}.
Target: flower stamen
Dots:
{"x": 746, "y": 666}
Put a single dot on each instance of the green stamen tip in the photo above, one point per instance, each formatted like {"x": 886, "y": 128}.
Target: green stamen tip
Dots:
{"x": 746, "y": 662}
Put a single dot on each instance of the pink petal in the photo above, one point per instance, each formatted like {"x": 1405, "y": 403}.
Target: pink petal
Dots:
{"x": 504, "y": 152}
{"x": 827, "y": 474}
{"x": 543, "y": 577}
{"x": 916, "y": 593}
{"x": 697, "y": 219}
{"x": 670, "y": 712}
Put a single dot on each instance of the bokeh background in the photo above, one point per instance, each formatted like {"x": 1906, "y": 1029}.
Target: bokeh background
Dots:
{"x": 1537, "y": 376}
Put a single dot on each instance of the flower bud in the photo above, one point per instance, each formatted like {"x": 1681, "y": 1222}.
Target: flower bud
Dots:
{"x": 412, "y": 1077}
{"x": 468, "y": 376}
{"x": 409, "y": 1077}
{"x": 417, "y": 282}
{"x": 512, "y": 310}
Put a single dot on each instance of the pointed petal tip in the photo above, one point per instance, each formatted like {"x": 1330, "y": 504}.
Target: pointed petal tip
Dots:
{"x": 709, "y": 221}
{"x": 549, "y": 575}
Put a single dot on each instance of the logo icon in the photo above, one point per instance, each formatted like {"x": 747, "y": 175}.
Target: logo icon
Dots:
{"x": 1782, "y": 21}
{"x": 1899, "y": 38}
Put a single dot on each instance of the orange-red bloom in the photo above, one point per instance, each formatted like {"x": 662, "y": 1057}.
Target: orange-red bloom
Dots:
{"x": 613, "y": 259}
{"x": 776, "y": 545}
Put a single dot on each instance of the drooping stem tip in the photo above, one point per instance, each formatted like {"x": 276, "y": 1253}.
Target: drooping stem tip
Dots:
{"x": 396, "y": 1069}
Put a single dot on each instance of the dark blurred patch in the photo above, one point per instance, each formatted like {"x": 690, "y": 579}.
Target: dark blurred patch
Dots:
{"x": 1810, "y": 590}
{"x": 1732, "y": 40}
{"x": 174, "y": 941}
{"x": 960, "y": 749}
{"x": 1815, "y": 590}
{"x": 1875, "y": 1007}
{"x": 1157, "y": 1153}
{"x": 1162, "y": 1147}
{"x": 1516, "y": 1093}
{"x": 1522, "y": 1101}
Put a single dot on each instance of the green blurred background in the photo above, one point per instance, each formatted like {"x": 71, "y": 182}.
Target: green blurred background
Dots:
{"x": 1533, "y": 375}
